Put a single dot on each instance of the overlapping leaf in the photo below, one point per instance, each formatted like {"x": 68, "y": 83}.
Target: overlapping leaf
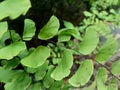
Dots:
{"x": 4, "y": 38}
{"x": 10, "y": 64}
{"x": 50, "y": 29}
{"x": 91, "y": 87}
{"x": 107, "y": 51}
{"x": 101, "y": 78}
{"x": 10, "y": 35}
{"x": 65, "y": 34}
{"x": 13, "y": 78}
{"x": 63, "y": 68}
{"x": 6, "y": 75}
{"x": 115, "y": 68}
{"x": 48, "y": 81}
{"x": 14, "y": 9}
{"x": 37, "y": 57}
{"x": 113, "y": 85}
{"x": 31, "y": 70}
{"x": 83, "y": 74}
{"x": 89, "y": 42}
{"x": 68, "y": 25}
{"x": 63, "y": 38}
{"x": 3, "y": 28}
{"x": 15, "y": 36}
{"x": 35, "y": 86}
{"x": 20, "y": 81}
{"x": 87, "y": 14}
{"x": 57, "y": 85}
{"x": 41, "y": 71}
{"x": 12, "y": 50}
{"x": 29, "y": 29}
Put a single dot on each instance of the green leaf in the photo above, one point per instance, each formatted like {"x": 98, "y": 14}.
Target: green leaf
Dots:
{"x": 48, "y": 81}
{"x": 31, "y": 70}
{"x": 102, "y": 28}
{"x": 107, "y": 51}
{"x": 90, "y": 41}
{"x": 23, "y": 53}
{"x": 6, "y": 75}
{"x": 3, "y": 28}
{"x": 101, "y": 78}
{"x": 35, "y": 86}
{"x": 65, "y": 34}
{"x": 20, "y": 81}
{"x": 115, "y": 68}
{"x": 56, "y": 60}
{"x": 66, "y": 86}
{"x": 83, "y": 74}
{"x": 12, "y": 50}
{"x": 91, "y": 87}
{"x": 37, "y": 57}
{"x": 87, "y": 14}
{"x": 40, "y": 73}
{"x": 113, "y": 85}
{"x": 63, "y": 38}
{"x": 6, "y": 36}
{"x": 68, "y": 25}
{"x": 72, "y": 32}
{"x": 50, "y": 29}
{"x": 10, "y": 64}
{"x": 15, "y": 36}
{"x": 57, "y": 85}
{"x": 63, "y": 68}
{"x": 29, "y": 29}
{"x": 3, "y": 39}
{"x": 26, "y": 52}
{"x": 14, "y": 9}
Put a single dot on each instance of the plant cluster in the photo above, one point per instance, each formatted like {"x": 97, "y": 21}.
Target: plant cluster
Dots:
{"x": 78, "y": 59}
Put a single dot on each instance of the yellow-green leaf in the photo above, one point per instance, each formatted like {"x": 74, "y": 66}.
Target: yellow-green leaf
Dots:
{"x": 48, "y": 81}
{"x": 8, "y": 52}
{"x": 35, "y": 86}
{"x": 14, "y": 8}
{"x": 101, "y": 78}
{"x": 29, "y": 29}
{"x": 3, "y": 28}
{"x": 20, "y": 81}
{"x": 113, "y": 84}
{"x": 107, "y": 51}
{"x": 63, "y": 68}
{"x": 90, "y": 41}
{"x": 50, "y": 29}
{"x": 6, "y": 75}
{"x": 37, "y": 57}
{"x": 115, "y": 68}
{"x": 83, "y": 74}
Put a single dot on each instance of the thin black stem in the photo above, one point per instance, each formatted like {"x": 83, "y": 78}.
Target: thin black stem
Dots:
{"x": 108, "y": 70}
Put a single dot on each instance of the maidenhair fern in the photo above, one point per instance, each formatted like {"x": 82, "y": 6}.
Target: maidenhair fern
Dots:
{"x": 67, "y": 63}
